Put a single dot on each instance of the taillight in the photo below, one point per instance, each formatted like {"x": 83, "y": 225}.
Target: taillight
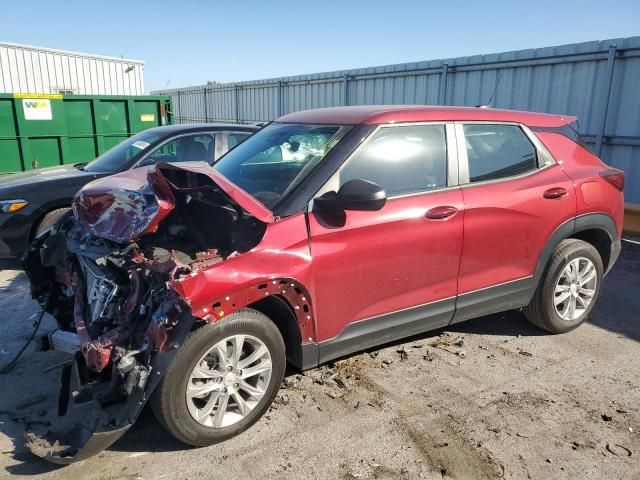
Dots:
{"x": 614, "y": 176}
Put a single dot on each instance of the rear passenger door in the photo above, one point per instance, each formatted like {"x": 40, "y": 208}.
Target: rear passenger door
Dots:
{"x": 515, "y": 195}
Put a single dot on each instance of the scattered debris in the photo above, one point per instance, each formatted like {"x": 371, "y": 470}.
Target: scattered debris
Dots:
{"x": 483, "y": 347}
{"x": 446, "y": 341}
{"x": 441, "y": 444}
{"x": 525, "y": 353}
{"x": 618, "y": 450}
{"x": 281, "y": 400}
{"x": 403, "y": 354}
{"x": 340, "y": 382}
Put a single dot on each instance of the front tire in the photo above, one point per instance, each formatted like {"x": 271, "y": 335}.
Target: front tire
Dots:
{"x": 223, "y": 379}
{"x": 569, "y": 287}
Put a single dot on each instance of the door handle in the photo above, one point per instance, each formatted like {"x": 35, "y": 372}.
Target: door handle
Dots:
{"x": 555, "y": 192}
{"x": 440, "y": 213}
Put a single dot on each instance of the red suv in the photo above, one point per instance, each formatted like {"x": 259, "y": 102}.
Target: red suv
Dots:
{"x": 327, "y": 232}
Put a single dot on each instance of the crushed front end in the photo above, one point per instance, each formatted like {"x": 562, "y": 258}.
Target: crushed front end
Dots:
{"x": 106, "y": 274}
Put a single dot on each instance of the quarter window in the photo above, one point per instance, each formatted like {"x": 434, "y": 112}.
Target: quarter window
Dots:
{"x": 401, "y": 159}
{"x": 498, "y": 151}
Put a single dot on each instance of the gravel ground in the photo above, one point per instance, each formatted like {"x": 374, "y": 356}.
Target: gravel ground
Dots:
{"x": 491, "y": 398}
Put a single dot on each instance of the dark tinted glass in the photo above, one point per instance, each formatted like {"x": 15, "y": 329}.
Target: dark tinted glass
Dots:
{"x": 123, "y": 155}
{"x": 498, "y": 151}
{"x": 234, "y": 139}
{"x": 401, "y": 159}
{"x": 188, "y": 148}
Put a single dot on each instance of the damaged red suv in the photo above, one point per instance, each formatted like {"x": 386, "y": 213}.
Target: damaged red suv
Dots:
{"x": 327, "y": 232}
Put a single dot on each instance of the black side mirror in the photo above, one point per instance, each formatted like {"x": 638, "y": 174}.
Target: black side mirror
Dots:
{"x": 355, "y": 194}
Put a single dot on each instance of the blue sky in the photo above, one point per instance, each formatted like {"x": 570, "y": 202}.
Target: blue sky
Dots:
{"x": 189, "y": 42}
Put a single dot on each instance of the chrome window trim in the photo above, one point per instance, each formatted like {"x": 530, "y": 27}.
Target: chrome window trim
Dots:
{"x": 453, "y": 174}
{"x": 542, "y": 153}
{"x": 333, "y": 184}
{"x": 463, "y": 159}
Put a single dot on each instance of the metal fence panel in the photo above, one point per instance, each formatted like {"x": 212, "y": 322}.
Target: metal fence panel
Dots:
{"x": 595, "y": 81}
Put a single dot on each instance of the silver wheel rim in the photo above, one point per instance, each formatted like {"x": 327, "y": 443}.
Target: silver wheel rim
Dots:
{"x": 575, "y": 288}
{"x": 228, "y": 381}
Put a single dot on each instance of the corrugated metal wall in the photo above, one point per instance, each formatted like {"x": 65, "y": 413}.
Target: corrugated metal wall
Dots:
{"x": 597, "y": 81}
{"x": 27, "y": 69}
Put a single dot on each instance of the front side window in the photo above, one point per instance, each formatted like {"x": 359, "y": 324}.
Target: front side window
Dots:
{"x": 498, "y": 151}
{"x": 188, "y": 148}
{"x": 122, "y": 155}
{"x": 401, "y": 159}
{"x": 273, "y": 161}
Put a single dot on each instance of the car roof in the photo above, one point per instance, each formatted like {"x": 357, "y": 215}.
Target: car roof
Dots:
{"x": 203, "y": 127}
{"x": 384, "y": 114}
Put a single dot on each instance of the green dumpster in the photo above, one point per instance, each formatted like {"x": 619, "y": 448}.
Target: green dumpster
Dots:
{"x": 41, "y": 130}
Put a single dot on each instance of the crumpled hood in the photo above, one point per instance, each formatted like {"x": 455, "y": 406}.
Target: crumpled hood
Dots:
{"x": 130, "y": 204}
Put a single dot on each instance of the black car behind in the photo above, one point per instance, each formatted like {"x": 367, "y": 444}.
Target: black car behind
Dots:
{"x": 30, "y": 202}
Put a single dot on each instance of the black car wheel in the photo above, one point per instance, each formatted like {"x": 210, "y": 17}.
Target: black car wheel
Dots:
{"x": 49, "y": 220}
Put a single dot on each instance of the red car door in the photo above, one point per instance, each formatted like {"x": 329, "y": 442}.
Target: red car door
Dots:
{"x": 382, "y": 275}
{"x": 515, "y": 196}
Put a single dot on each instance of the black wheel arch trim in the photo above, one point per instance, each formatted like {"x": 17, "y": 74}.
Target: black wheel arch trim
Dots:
{"x": 588, "y": 221}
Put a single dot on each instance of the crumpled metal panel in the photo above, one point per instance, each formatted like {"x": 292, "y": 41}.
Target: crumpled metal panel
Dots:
{"x": 126, "y": 209}
{"x": 125, "y": 206}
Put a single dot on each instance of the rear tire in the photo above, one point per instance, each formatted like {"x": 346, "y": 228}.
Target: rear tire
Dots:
{"x": 49, "y": 220}
{"x": 569, "y": 287}
{"x": 209, "y": 393}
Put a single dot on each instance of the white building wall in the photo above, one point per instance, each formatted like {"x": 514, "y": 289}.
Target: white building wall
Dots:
{"x": 28, "y": 69}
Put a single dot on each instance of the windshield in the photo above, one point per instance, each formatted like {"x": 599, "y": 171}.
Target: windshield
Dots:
{"x": 270, "y": 163}
{"x": 119, "y": 157}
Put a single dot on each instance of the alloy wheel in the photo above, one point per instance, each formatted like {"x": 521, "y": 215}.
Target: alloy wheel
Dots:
{"x": 575, "y": 288}
{"x": 228, "y": 381}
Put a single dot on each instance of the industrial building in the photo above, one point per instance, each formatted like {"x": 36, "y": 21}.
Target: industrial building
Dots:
{"x": 29, "y": 69}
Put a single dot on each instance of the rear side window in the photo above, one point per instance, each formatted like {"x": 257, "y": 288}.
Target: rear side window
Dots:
{"x": 498, "y": 151}
{"x": 401, "y": 159}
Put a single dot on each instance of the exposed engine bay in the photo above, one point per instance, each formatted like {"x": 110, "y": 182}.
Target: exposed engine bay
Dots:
{"x": 106, "y": 274}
